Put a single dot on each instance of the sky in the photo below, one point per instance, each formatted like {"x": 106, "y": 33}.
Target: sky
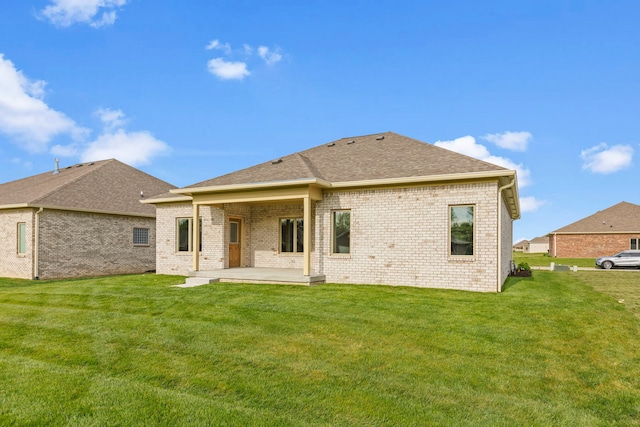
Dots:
{"x": 190, "y": 90}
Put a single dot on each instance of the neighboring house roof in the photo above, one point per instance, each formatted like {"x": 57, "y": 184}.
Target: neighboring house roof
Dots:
{"x": 356, "y": 160}
{"x": 108, "y": 186}
{"x": 621, "y": 218}
{"x": 540, "y": 240}
{"x": 521, "y": 244}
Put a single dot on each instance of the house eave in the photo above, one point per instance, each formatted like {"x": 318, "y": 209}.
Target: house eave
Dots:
{"x": 167, "y": 200}
{"x": 189, "y": 191}
{"x": 555, "y": 233}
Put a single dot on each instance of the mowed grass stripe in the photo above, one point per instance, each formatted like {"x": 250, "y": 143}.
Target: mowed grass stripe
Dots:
{"x": 549, "y": 350}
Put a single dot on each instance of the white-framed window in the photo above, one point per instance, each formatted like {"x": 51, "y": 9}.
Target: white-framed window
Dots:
{"x": 140, "y": 236}
{"x": 341, "y": 231}
{"x": 22, "y": 238}
{"x": 291, "y": 235}
{"x": 634, "y": 244}
{"x": 462, "y": 230}
{"x": 184, "y": 235}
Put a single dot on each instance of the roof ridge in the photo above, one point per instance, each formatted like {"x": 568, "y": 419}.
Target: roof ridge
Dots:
{"x": 100, "y": 164}
{"x": 308, "y": 164}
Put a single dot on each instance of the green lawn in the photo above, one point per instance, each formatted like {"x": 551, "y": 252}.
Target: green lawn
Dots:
{"x": 131, "y": 350}
{"x": 543, "y": 260}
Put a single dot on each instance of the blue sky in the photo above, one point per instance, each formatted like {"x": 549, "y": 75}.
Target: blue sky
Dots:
{"x": 190, "y": 90}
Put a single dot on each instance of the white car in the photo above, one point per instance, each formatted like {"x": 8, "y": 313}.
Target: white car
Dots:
{"x": 629, "y": 258}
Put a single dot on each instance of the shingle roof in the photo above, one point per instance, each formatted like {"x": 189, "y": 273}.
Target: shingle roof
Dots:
{"x": 360, "y": 158}
{"x": 623, "y": 217}
{"x": 541, "y": 239}
{"x": 102, "y": 186}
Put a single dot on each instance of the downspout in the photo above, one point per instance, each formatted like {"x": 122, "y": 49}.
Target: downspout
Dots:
{"x": 500, "y": 190}
{"x": 36, "y": 245}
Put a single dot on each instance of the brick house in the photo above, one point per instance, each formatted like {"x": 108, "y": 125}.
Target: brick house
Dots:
{"x": 604, "y": 233}
{"x": 81, "y": 220}
{"x": 375, "y": 209}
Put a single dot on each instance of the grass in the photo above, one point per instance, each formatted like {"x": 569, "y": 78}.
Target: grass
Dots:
{"x": 543, "y": 260}
{"x": 131, "y": 350}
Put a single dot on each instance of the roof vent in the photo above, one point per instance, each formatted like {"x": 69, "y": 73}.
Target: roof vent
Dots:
{"x": 57, "y": 170}
{"x": 331, "y": 144}
{"x": 79, "y": 165}
{"x": 380, "y": 138}
{"x": 275, "y": 162}
{"x": 351, "y": 142}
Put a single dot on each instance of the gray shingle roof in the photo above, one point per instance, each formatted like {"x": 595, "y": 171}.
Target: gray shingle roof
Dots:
{"x": 377, "y": 156}
{"x": 102, "y": 186}
{"x": 623, "y": 217}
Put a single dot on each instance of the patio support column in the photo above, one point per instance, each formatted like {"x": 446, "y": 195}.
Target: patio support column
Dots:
{"x": 195, "y": 239}
{"x": 306, "y": 269}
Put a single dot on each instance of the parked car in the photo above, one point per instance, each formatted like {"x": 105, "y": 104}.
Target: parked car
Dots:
{"x": 629, "y": 258}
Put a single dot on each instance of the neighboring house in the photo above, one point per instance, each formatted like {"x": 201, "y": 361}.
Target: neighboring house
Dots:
{"x": 520, "y": 246}
{"x": 538, "y": 245}
{"x": 81, "y": 220}
{"x": 604, "y": 233}
{"x": 375, "y": 209}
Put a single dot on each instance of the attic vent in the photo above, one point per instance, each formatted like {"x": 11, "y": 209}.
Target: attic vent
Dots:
{"x": 79, "y": 165}
{"x": 68, "y": 167}
{"x": 351, "y": 142}
{"x": 380, "y": 138}
{"x": 331, "y": 145}
{"x": 92, "y": 163}
{"x": 275, "y": 162}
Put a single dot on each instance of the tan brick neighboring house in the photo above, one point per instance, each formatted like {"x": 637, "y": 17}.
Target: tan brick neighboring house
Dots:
{"x": 81, "y": 220}
{"x": 375, "y": 209}
{"x": 604, "y": 233}
{"x": 537, "y": 245}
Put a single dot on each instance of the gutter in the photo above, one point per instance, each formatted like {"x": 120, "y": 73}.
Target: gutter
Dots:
{"x": 36, "y": 249}
{"x": 500, "y": 190}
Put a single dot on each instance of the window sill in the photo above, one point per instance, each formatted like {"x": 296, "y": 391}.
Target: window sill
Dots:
{"x": 461, "y": 258}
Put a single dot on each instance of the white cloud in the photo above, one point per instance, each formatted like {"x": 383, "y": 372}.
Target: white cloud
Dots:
{"x": 516, "y": 141}
{"x": 228, "y": 70}
{"x": 468, "y": 146}
{"x": 215, "y": 44}
{"x": 269, "y": 56}
{"x": 604, "y": 159}
{"x": 96, "y": 13}
{"x": 133, "y": 148}
{"x": 25, "y": 116}
{"x": 111, "y": 118}
{"x": 530, "y": 204}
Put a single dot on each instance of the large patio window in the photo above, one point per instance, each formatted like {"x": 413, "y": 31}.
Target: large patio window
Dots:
{"x": 291, "y": 235}
{"x": 22, "y": 238}
{"x": 462, "y": 220}
{"x": 341, "y": 232}
{"x": 184, "y": 233}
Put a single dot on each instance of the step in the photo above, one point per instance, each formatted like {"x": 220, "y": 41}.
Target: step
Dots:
{"x": 192, "y": 282}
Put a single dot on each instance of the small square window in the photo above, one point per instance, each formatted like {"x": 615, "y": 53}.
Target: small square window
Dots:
{"x": 140, "y": 236}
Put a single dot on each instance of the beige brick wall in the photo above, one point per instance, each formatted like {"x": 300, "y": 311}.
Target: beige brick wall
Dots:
{"x": 401, "y": 237}
{"x": 398, "y": 237}
{"x": 589, "y": 245}
{"x": 77, "y": 244}
{"x": 265, "y": 232}
{"x": 12, "y": 264}
{"x": 168, "y": 259}
{"x": 506, "y": 251}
